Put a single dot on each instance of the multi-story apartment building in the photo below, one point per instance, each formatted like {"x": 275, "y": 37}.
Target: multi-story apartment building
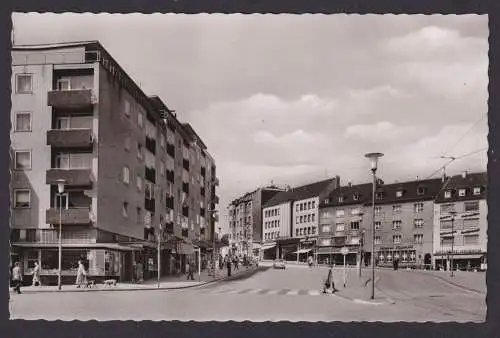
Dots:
{"x": 290, "y": 220}
{"x": 460, "y": 223}
{"x": 341, "y": 223}
{"x": 245, "y": 230}
{"x": 131, "y": 171}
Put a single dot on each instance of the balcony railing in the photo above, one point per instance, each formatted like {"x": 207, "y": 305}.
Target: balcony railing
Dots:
{"x": 69, "y": 137}
{"x": 64, "y": 99}
{"x": 150, "y": 174}
{"x": 149, "y": 204}
{"x": 80, "y": 177}
{"x": 50, "y": 236}
{"x": 75, "y": 215}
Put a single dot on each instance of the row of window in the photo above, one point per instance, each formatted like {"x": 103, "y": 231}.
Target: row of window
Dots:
{"x": 305, "y": 218}
{"x": 272, "y": 235}
{"x": 305, "y": 231}
{"x": 462, "y": 192}
{"x": 272, "y": 212}
{"x": 354, "y": 225}
{"x": 271, "y": 224}
{"x": 305, "y": 206}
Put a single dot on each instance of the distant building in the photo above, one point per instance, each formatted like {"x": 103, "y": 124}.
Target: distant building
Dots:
{"x": 290, "y": 220}
{"x": 245, "y": 220}
{"x": 131, "y": 170}
{"x": 460, "y": 220}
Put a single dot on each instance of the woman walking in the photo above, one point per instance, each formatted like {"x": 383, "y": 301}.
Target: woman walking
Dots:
{"x": 36, "y": 275}
{"x": 81, "y": 275}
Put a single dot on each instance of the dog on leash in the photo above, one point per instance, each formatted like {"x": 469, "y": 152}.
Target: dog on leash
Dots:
{"x": 90, "y": 284}
{"x": 109, "y": 282}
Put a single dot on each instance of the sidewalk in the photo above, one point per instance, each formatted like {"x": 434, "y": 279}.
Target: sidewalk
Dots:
{"x": 166, "y": 283}
{"x": 472, "y": 281}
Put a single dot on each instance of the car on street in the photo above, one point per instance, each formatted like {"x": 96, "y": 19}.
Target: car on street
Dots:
{"x": 279, "y": 264}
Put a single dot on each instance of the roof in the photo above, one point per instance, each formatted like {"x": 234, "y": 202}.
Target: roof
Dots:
{"x": 191, "y": 131}
{"x": 467, "y": 182}
{"x": 363, "y": 191}
{"x": 249, "y": 195}
{"x": 300, "y": 193}
{"x": 47, "y": 46}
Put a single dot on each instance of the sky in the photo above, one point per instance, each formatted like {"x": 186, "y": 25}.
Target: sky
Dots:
{"x": 293, "y": 99}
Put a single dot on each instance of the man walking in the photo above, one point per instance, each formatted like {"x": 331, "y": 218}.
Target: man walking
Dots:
{"x": 36, "y": 275}
{"x": 190, "y": 268}
{"x": 17, "y": 277}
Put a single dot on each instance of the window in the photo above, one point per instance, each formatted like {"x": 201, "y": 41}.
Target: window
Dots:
{"x": 418, "y": 222}
{"x": 447, "y": 207}
{"x": 471, "y": 206}
{"x": 445, "y": 224}
{"x": 447, "y": 194}
{"x": 297, "y": 220}
{"x": 139, "y": 215}
{"x": 355, "y": 196}
{"x": 22, "y": 198}
{"x": 420, "y": 190}
{"x": 399, "y": 193}
{"x": 126, "y": 109}
{"x": 325, "y": 228}
{"x": 461, "y": 192}
{"x": 126, "y": 175}
{"x": 341, "y": 199}
{"x": 140, "y": 117}
{"x": 325, "y": 242}
{"x": 23, "y": 122}
{"x": 313, "y": 204}
{"x": 396, "y": 224}
{"x": 308, "y": 218}
{"x": 301, "y": 219}
{"x": 23, "y": 160}
{"x": 378, "y": 210}
{"x": 125, "y": 209}
{"x": 471, "y": 239}
{"x": 418, "y": 238}
{"x": 139, "y": 151}
{"x": 138, "y": 182}
{"x": 24, "y": 83}
{"x": 396, "y": 209}
{"x": 418, "y": 207}
{"x": 340, "y": 227}
{"x": 355, "y": 211}
{"x": 308, "y": 205}
{"x": 339, "y": 213}
{"x": 126, "y": 143}
{"x": 379, "y": 195}
{"x": 354, "y": 225}
{"x": 313, "y": 218}
{"x": 477, "y": 191}
{"x": 326, "y": 201}
{"x": 396, "y": 239}
{"x": 162, "y": 141}
{"x": 297, "y": 207}
{"x": 378, "y": 225}
{"x": 378, "y": 240}
{"x": 296, "y": 232}
{"x": 301, "y": 207}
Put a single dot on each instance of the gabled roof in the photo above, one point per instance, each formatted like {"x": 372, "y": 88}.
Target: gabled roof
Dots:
{"x": 363, "y": 191}
{"x": 418, "y": 190}
{"x": 300, "y": 193}
{"x": 468, "y": 181}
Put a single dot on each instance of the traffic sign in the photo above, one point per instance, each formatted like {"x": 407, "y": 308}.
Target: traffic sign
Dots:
{"x": 344, "y": 251}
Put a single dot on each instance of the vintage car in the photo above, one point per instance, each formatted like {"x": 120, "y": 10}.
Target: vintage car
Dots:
{"x": 279, "y": 264}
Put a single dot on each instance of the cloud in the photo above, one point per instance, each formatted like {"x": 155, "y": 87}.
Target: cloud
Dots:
{"x": 382, "y": 131}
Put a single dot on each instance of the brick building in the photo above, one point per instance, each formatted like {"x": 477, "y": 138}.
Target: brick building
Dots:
{"x": 133, "y": 174}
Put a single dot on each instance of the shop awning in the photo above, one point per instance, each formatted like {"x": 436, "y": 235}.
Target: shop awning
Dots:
{"x": 268, "y": 246}
{"x": 457, "y": 256}
{"x": 113, "y": 246}
{"x": 302, "y": 251}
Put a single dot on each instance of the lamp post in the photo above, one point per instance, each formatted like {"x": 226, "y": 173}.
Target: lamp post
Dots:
{"x": 452, "y": 213}
{"x": 360, "y": 249}
{"x": 60, "y": 192}
{"x": 212, "y": 216}
{"x": 373, "y": 157}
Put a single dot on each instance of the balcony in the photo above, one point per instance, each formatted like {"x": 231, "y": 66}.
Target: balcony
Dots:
{"x": 171, "y": 150}
{"x": 69, "y": 138}
{"x": 65, "y": 99}
{"x": 79, "y": 177}
{"x": 151, "y": 145}
{"x": 185, "y": 164}
{"x": 149, "y": 204}
{"x": 169, "y": 202}
{"x": 170, "y": 176}
{"x": 150, "y": 174}
{"x": 51, "y": 236}
{"x": 75, "y": 215}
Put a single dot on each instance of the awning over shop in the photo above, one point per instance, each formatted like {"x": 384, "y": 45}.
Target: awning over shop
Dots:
{"x": 113, "y": 246}
{"x": 302, "y": 251}
{"x": 268, "y": 246}
{"x": 458, "y": 256}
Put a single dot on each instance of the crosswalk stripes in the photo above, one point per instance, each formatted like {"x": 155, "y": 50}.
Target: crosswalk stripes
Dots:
{"x": 263, "y": 292}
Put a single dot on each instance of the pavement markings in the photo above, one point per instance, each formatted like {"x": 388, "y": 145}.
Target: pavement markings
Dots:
{"x": 293, "y": 292}
{"x": 264, "y": 292}
{"x": 314, "y": 293}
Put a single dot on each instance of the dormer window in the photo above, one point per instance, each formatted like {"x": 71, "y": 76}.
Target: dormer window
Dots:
{"x": 477, "y": 191}
{"x": 399, "y": 193}
{"x": 420, "y": 190}
{"x": 326, "y": 201}
{"x": 355, "y": 196}
{"x": 379, "y": 195}
{"x": 461, "y": 192}
{"x": 341, "y": 199}
{"x": 447, "y": 194}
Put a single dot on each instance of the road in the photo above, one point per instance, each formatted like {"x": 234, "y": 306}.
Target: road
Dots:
{"x": 272, "y": 295}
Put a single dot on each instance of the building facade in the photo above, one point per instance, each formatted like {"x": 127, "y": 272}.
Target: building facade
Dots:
{"x": 290, "y": 220}
{"x": 460, "y": 223}
{"x": 245, "y": 219}
{"x": 132, "y": 172}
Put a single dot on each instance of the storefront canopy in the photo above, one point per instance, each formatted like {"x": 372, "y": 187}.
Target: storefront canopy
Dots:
{"x": 113, "y": 246}
{"x": 268, "y": 246}
{"x": 470, "y": 256}
{"x": 302, "y": 251}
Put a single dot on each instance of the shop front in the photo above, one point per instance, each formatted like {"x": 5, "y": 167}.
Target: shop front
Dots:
{"x": 471, "y": 260}
{"x": 287, "y": 248}
{"x": 331, "y": 255}
{"x": 407, "y": 256}
{"x": 268, "y": 251}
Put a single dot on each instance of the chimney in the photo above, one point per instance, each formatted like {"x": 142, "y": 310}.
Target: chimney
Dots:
{"x": 417, "y": 178}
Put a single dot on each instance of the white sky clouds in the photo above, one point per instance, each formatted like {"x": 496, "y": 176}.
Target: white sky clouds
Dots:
{"x": 295, "y": 98}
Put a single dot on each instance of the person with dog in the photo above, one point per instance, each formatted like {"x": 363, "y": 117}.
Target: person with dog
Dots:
{"x": 81, "y": 275}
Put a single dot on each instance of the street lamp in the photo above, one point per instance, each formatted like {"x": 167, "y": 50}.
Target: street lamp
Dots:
{"x": 362, "y": 242}
{"x": 212, "y": 217}
{"x": 453, "y": 214}
{"x": 373, "y": 157}
{"x": 60, "y": 192}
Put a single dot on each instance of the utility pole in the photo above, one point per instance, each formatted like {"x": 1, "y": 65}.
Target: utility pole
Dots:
{"x": 452, "y": 213}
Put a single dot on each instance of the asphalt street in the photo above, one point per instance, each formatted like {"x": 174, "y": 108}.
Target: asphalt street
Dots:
{"x": 292, "y": 294}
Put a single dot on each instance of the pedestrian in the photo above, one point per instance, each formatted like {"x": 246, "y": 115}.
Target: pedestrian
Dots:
{"x": 228, "y": 266}
{"x": 310, "y": 261}
{"x": 235, "y": 262}
{"x": 17, "y": 277}
{"x": 36, "y": 275}
{"x": 190, "y": 269}
{"x": 329, "y": 285}
{"x": 81, "y": 275}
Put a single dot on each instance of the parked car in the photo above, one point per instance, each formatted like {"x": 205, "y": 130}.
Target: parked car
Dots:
{"x": 279, "y": 264}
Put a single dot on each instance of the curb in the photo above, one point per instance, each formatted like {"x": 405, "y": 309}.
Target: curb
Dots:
{"x": 242, "y": 274}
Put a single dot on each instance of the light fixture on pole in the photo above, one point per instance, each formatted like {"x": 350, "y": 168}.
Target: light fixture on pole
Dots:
{"x": 373, "y": 157}
{"x": 60, "y": 192}
{"x": 453, "y": 214}
{"x": 361, "y": 243}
